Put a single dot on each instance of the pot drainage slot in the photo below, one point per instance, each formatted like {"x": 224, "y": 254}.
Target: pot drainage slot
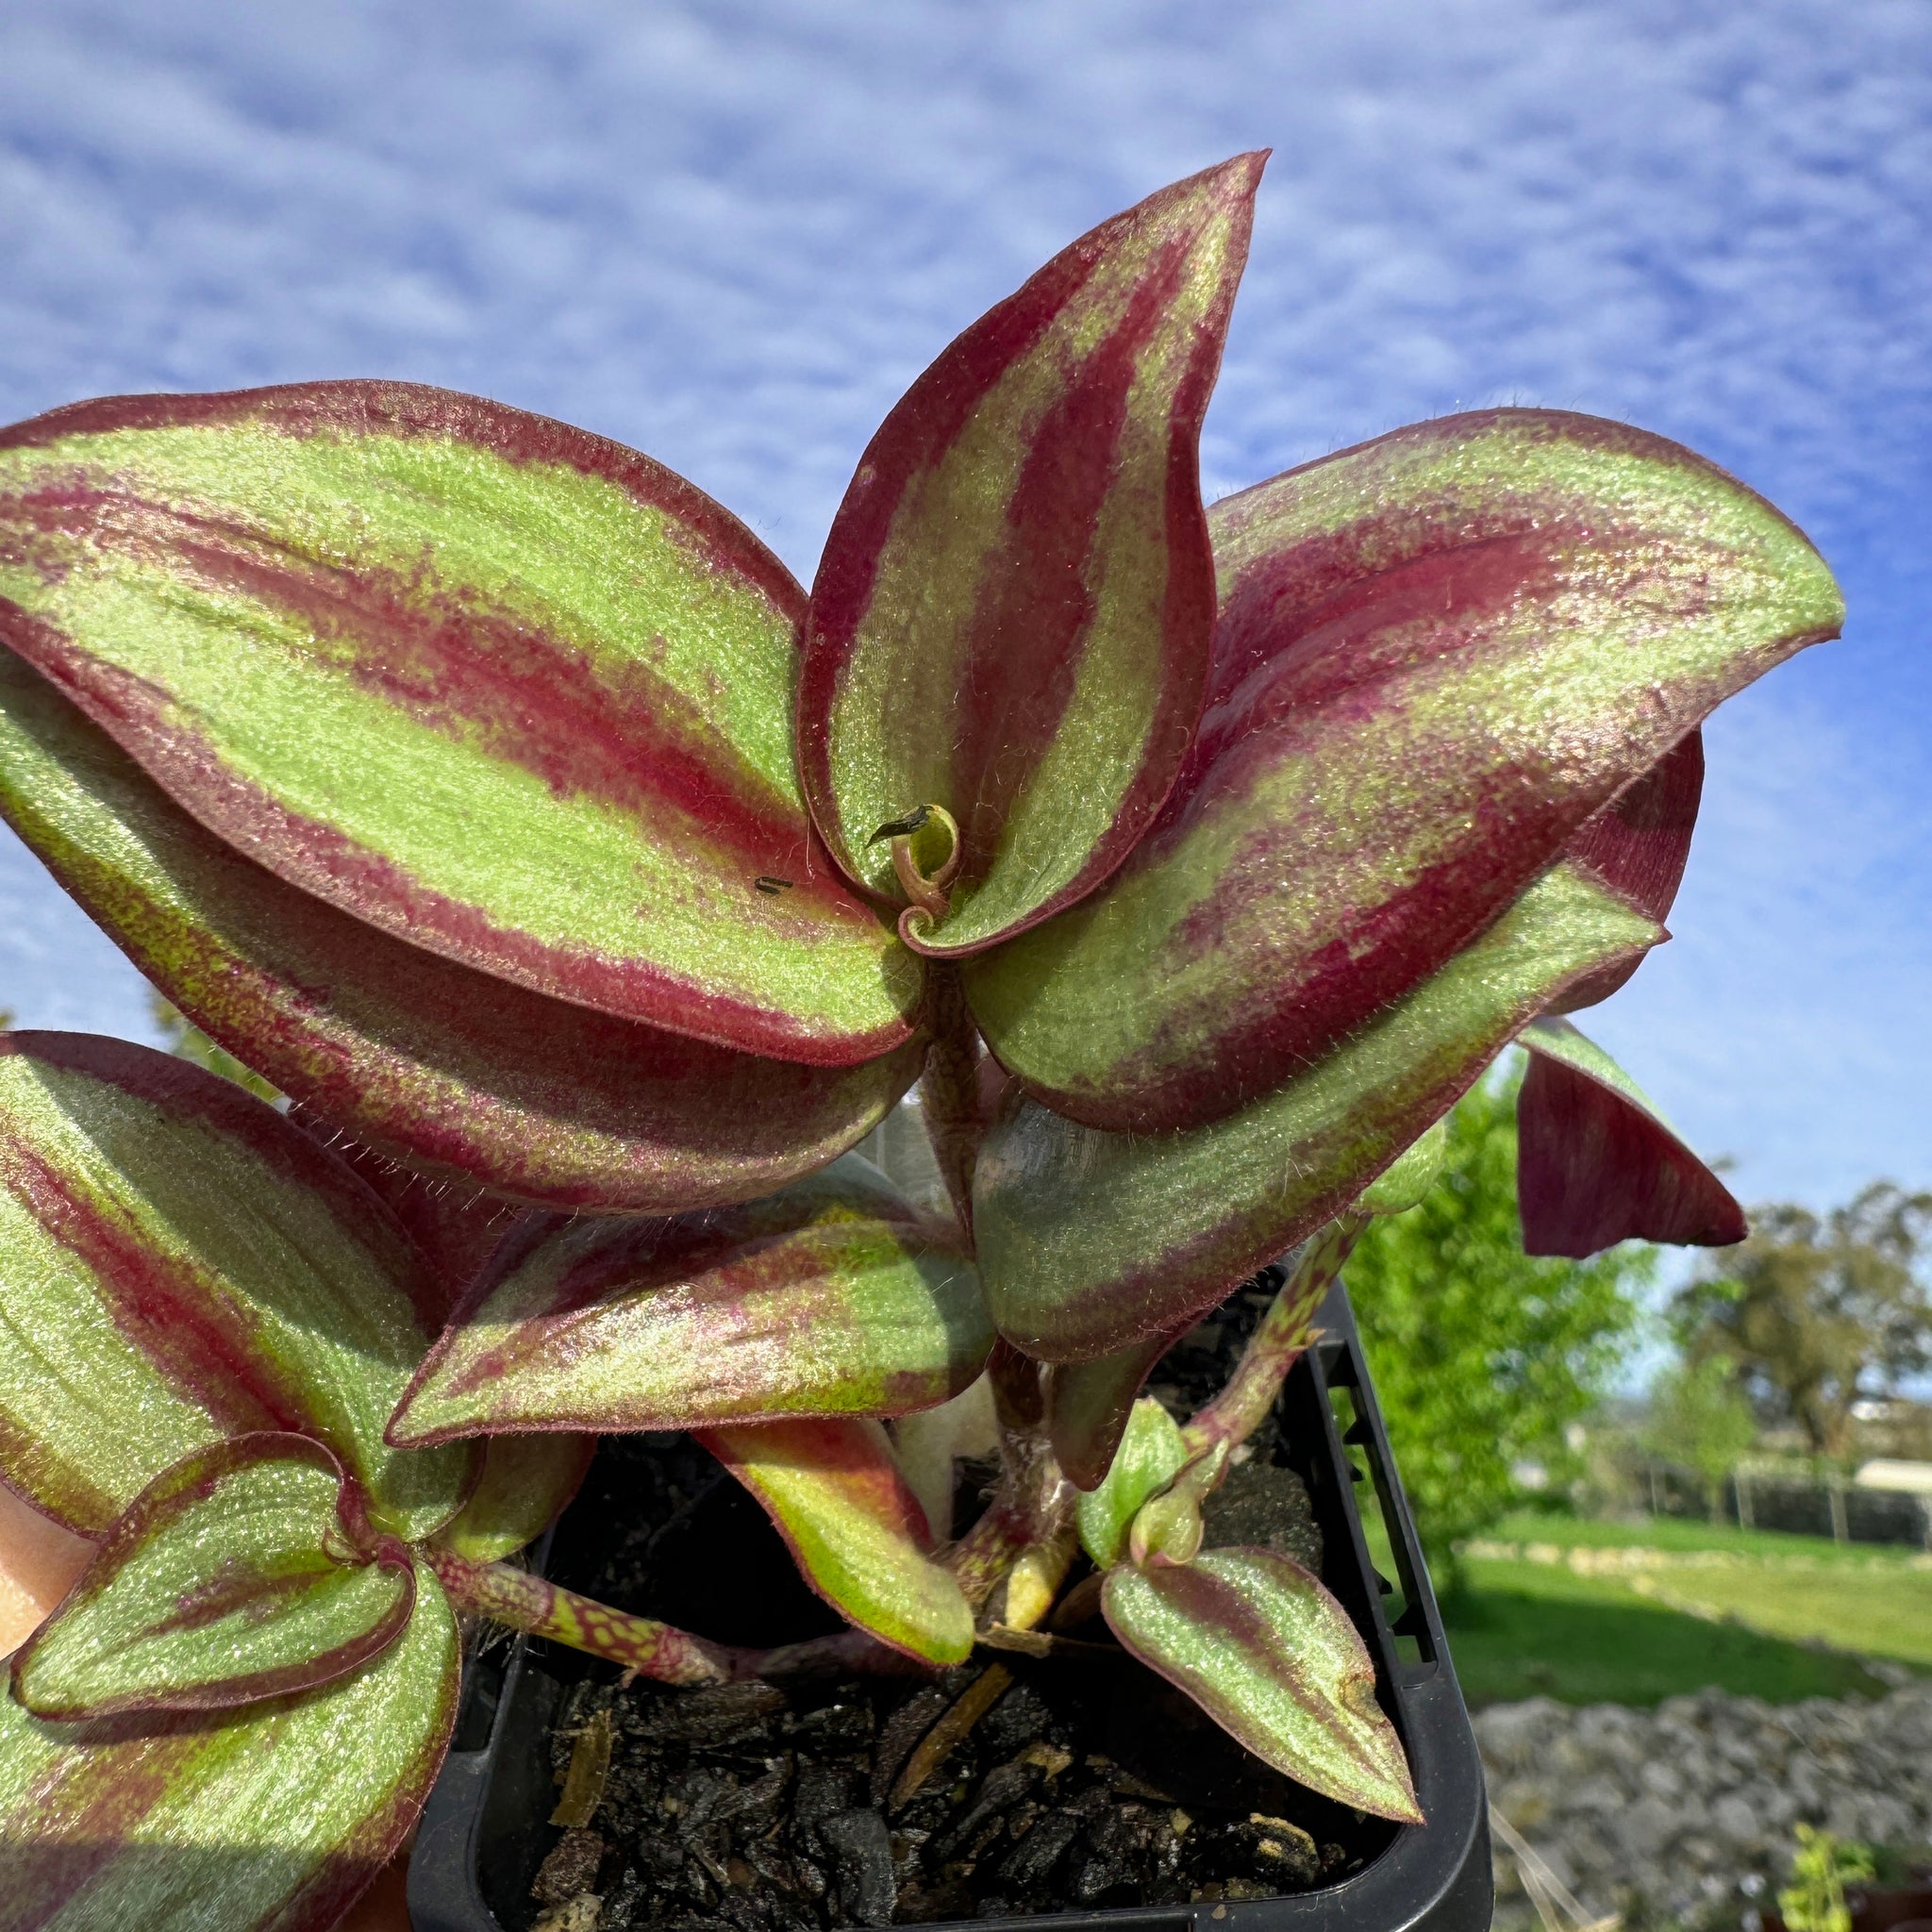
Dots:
{"x": 1390, "y": 1552}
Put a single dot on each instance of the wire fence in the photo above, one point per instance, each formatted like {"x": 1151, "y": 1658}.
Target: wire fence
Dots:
{"x": 1798, "y": 1505}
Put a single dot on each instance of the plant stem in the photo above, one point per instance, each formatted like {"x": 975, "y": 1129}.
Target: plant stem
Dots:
{"x": 949, "y": 1087}
{"x": 1285, "y": 1331}
{"x": 1034, "y": 1503}
{"x": 659, "y": 1651}
{"x": 526, "y": 1602}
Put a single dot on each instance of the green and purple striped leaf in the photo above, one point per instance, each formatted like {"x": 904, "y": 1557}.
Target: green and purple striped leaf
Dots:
{"x": 1438, "y": 657}
{"x": 1257, "y": 1642}
{"x": 1012, "y": 616}
{"x": 273, "y": 1817}
{"x": 1088, "y": 1240}
{"x": 832, "y": 1298}
{"x": 859, "y": 1537}
{"x": 507, "y": 690}
{"x": 245, "y": 1571}
{"x": 528, "y": 1483}
{"x": 484, "y": 1082}
{"x": 1150, "y": 1452}
{"x": 1596, "y": 1163}
{"x": 458, "y": 1226}
{"x": 184, "y": 1265}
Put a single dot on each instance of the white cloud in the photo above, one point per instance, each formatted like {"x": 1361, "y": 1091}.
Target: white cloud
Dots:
{"x": 729, "y": 233}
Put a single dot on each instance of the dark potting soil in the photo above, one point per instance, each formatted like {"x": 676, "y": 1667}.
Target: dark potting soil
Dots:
{"x": 1077, "y": 1781}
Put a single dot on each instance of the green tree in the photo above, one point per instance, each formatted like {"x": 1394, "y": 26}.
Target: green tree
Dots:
{"x": 1700, "y": 1419}
{"x": 1482, "y": 1355}
{"x": 1817, "y": 1310}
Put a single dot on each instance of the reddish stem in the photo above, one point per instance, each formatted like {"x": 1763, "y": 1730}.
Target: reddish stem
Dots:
{"x": 659, "y": 1651}
{"x": 1034, "y": 1502}
{"x": 529, "y": 1602}
{"x": 1276, "y": 1344}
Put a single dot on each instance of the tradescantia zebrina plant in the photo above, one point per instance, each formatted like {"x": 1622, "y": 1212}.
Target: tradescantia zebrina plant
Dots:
{"x": 499, "y": 799}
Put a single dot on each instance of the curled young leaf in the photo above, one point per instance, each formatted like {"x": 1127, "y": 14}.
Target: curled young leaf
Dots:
{"x": 183, "y": 1265}
{"x": 1267, "y": 1653}
{"x": 1088, "y": 1238}
{"x": 507, "y": 690}
{"x": 859, "y": 1537}
{"x": 1012, "y": 615}
{"x": 483, "y": 1082}
{"x": 273, "y": 1817}
{"x": 831, "y": 1298}
{"x": 1168, "y": 1527}
{"x": 1150, "y": 1452}
{"x": 528, "y": 1483}
{"x": 1596, "y": 1163}
{"x": 1437, "y": 657}
{"x": 245, "y": 1571}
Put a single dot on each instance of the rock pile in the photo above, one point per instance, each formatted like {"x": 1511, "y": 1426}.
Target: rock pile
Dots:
{"x": 1686, "y": 1813}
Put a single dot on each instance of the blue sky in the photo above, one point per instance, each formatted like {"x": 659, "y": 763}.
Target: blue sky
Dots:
{"x": 730, "y": 234}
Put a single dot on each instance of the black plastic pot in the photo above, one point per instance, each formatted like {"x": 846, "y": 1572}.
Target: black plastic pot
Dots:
{"x": 484, "y": 1831}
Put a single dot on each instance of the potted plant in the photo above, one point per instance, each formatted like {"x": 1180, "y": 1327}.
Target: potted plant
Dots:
{"x": 495, "y": 797}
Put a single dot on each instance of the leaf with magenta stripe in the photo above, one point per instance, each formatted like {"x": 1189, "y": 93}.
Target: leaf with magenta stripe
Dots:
{"x": 184, "y": 1265}
{"x": 1257, "y": 1643}
{"x": 245, "y": 1571}
{"x": 457, "y": 1226}
{"x": 480, "y": 1080}
{"x": 1596, "y": 1163}
{"x": 1012, "y": 615}
{"x": 838, "y": 1498}
{"x": 506, "y": 689}
{"x": 1085, "y": 1238}
{"x": 1638, "y": 845}
{"x": 834, "y": 1297}
{"x": 1438, "y": 657}
{"x": 273, "y": 1817}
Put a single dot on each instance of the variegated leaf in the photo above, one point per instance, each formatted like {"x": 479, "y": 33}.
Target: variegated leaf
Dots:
{"x": 1596, "y": 1163}
{"x": 831, "y": 1298}
{"x": 482, "y": 1081}
{"x": 1257, "y": 1643}
{"x": 1638, "y": 845}
{"x": 457, "y": 1226}
{"x": 1089, "y": 1405}
{"x": 528, "y": 1483}
{"x": 1437, "y": 657}
{"x": 1011, "y": 615}
{"x": 273, "y": 1817}
{"x": 856, "y": 1530}
{"x": 182, "y": 1265}
{"x": 245, "y": 1571}
{"x": 1150, "y": 1452}
{"x": 1085, "y": 1239}
{"x": 507, "y": 690}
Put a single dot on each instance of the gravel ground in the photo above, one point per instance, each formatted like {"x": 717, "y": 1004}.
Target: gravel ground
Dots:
{"x": 1686, "y": 1813}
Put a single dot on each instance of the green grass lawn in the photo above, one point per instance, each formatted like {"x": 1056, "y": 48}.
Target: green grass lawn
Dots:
{"x": 1778, "y": 1617}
